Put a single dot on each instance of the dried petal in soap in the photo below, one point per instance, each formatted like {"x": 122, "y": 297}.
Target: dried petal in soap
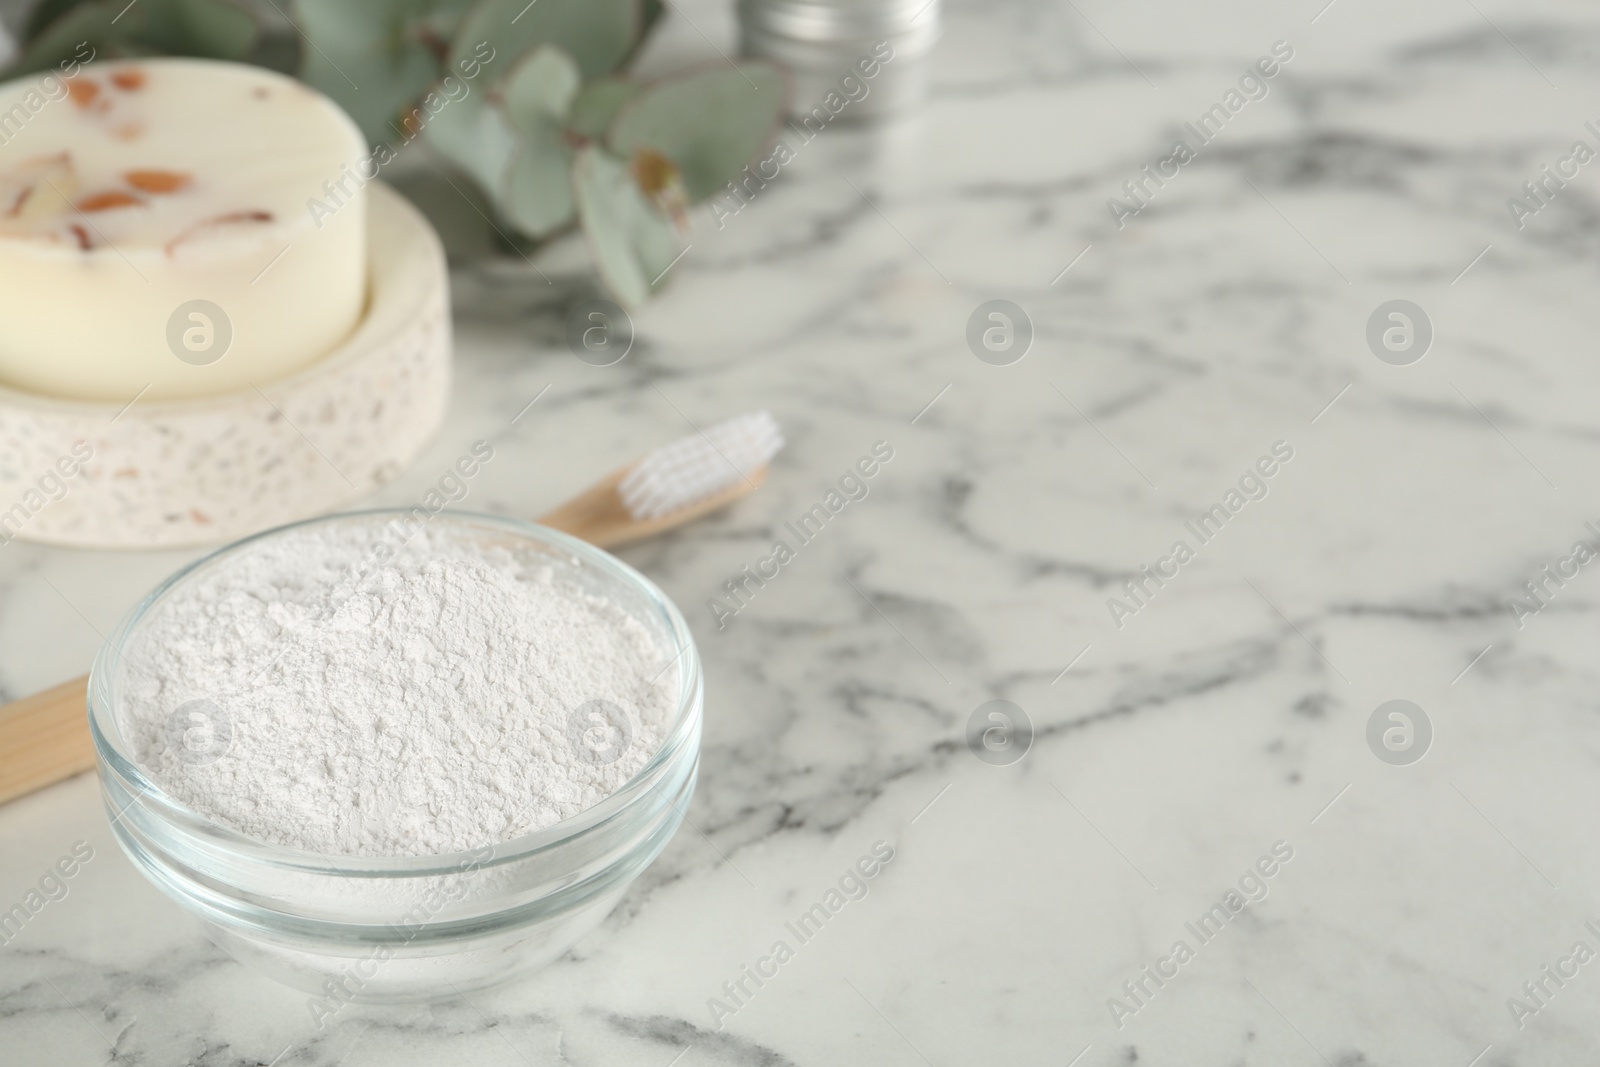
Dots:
{"x": 108, "y": 201}
{"x": 157, "y": 181}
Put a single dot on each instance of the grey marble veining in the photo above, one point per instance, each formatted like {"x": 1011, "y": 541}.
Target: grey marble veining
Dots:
{"x": 1171, "y": 753}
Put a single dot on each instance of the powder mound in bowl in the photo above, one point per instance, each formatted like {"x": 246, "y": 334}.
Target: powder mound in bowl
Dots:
{"x": 455, "y": 695}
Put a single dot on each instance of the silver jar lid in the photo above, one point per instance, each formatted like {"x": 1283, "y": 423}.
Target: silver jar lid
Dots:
{"x": 838, "y": 20}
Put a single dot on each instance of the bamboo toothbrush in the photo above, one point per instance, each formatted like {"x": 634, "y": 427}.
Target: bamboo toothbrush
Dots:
{"x": 45, "y": 738}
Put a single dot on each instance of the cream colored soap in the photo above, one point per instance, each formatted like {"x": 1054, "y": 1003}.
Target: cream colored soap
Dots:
{"x": 156, "y": 233}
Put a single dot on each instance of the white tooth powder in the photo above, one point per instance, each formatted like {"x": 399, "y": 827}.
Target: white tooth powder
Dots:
{"x": 443, "y": 701}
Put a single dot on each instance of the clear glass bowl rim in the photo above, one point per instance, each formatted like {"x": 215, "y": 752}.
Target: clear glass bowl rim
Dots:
{"x": 111, "y": 747}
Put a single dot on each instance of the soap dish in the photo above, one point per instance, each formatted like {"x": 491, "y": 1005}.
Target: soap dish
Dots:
{"x": 215, "y": 468}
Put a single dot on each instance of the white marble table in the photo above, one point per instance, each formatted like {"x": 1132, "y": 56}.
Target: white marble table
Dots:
{"x": 1226, "y": 715}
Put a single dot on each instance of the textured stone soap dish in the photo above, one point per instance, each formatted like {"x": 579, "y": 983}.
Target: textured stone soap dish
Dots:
{"x": 183, "y": 472}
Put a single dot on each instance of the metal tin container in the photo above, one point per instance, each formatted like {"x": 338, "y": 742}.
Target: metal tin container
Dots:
{"x": 850, "y": 59}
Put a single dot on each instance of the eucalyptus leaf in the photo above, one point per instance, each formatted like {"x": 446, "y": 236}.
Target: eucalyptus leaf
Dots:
{"x": 44, "y": 13}
{"x": 60, "y": 41}
{"x": 375, "y": 57}
{"x": 211, "y": 29}
{"x": 540, "y": 87}
{"x": 439, "y": 23}
{"x": 650, "y": 12}
{"x": 538, "y": 188}
{"x": 598, "y": 34}
{"x": 633, "y": 242}
{"x": 653, "y": 10}
{"x": 214, "y": 28}
{"x": 523, "y": 164}
{"x": 477, "y": 137}
{"x": 710, "y": 122}
{"x": 598, "y": 102}
{"x": 536, "y": 194}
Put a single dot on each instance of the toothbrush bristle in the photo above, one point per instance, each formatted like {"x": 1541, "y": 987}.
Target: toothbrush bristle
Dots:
{"x": 700, "y": 465}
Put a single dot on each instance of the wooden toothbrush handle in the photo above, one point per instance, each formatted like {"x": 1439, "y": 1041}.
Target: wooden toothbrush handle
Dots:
{"x": 44, "y": 738}
{"x": 599, "y": 517}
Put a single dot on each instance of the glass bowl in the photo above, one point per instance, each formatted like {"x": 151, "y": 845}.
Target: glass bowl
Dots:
{"x": 349, "y": 928}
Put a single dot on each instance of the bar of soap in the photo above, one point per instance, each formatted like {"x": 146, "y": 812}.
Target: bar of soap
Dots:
{"x": 174, "y": 228}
